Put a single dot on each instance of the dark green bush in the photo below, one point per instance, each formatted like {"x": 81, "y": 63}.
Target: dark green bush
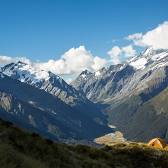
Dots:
{"x": 21, "y": 149}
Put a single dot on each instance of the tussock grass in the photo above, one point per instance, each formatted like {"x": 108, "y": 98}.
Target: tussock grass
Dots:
{"x": 20, "y": 149}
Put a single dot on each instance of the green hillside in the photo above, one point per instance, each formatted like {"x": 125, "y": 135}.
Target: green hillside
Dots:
{"x": 21, "y": 149}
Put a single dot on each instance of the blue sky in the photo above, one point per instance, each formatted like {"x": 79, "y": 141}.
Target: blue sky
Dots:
{"x": 46, "y": 29}
{"x": 43, "y": 29}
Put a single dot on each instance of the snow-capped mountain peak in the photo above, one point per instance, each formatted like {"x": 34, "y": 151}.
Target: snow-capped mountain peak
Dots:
{"x": 97, "y": 73}
{"x": 149, "y": 57}
{"x": 85, "y": 73}
{"x": 155, "y": 54}
{"x": 100, "y": 72}
{"x": 139, "y": 63}
{"x": 45, "y": 80}
{"x": 25, "y": 72}
{"x": 149, "y": 51}
{"x": 118, "y": 80}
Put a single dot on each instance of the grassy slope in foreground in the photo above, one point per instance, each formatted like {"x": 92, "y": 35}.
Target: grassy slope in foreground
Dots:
{"x": 20, "y": 149}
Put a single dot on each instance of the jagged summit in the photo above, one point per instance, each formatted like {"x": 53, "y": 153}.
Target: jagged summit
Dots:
{"x": 25, "y": 72}
{"x": 121, "y": 79}
{"x": 45, "y": 80}
{"x": 150, "y": 57}
{"x": 151, "y": 51}
{"x": 22, "y": 63}
{"x": 85, "y": 73}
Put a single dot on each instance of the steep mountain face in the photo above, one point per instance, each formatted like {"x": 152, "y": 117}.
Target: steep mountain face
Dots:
{"x": 35, "y": 109}
{"x": 143, "y": 120}
{"x": 126, "y": 88}
{"x": 45, "y": 80}
{"x": 54, "y": 85}
{"x": 128, "y": 94}
{"x": 81, "y": 80}
{"x": 147, "y": 71}
{"x": 100, "y": 85}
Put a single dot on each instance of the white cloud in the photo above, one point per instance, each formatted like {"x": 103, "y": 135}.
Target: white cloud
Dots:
{"x": 98, "y": 63}
{"x": 135, "y": 36}
{"x": 6, "y": 60}
{"x": 71, "y": 63}
{"x": 116, "y": 52}
{"x": 74, "y": 61}
{"x": 78, "y": 59}
{"x": 23, "y": 59}
{"x": 129, "y": 51}
{"x": 156, "y": 38}
{"x": 56, "y": 66}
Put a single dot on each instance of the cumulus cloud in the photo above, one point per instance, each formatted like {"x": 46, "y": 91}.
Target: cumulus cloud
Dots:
{"x": 135, "y": 36}
{"x": 116, "y": 52}
{"x": 156, "y": 38}
{"x": 73, "y": 61}
{"x": 129, "y": 51}
{"x": 6, "y": 60}
{"x": 78, "y": 59}
{"x": 98, "y": 63}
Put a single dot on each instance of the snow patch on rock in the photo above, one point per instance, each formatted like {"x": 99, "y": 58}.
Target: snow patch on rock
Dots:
{"x": 139, "y": 63}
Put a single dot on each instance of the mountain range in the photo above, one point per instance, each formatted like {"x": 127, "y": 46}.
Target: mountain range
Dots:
{"x": 129, "y": 93}
{"x": 42, "y": 104}
{"x": 131, "y": 96}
